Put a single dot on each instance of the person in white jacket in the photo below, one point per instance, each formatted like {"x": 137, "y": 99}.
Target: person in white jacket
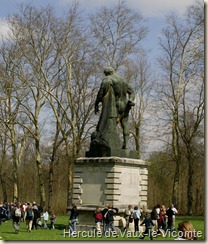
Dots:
{"x": 175, "y": 211}
{"x": 45, "y": 218}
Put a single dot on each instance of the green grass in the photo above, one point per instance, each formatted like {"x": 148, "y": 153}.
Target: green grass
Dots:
{"x": 7, "y": 232}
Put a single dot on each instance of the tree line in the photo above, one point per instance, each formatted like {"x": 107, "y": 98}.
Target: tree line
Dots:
{"x": 50, "y": 71}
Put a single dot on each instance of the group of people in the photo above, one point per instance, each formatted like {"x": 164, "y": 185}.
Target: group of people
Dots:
{"x": 27, "y": 212}
{"x": 132, "y": 214}
{"x": 160, "y": 220}
{"x": 106, "y": 216}
{"x": 164, "y": 218}
{"x": 155, "y": 220}
{"x": 185, "y": 229}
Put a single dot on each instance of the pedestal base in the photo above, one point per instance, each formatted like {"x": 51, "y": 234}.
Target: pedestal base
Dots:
{"x": 110, "y": 180}
{"x": 103, "y": 151}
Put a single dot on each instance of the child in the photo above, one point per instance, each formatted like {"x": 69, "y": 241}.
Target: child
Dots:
{"x": 148, "y": 226}
{"x": 45, "y": 218}
{"x": 98, "y": 218}
{"x": 52, "y": 219}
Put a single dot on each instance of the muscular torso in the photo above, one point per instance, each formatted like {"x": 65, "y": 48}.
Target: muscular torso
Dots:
{"x": 121, "y": 90}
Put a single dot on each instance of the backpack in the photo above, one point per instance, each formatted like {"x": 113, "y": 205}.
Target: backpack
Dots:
{"x": 154, "y": 214}
{"x": 29, "y": 213}
{"x": 109, "y": 216}
{"x": 18, "y": 212}
{"x": 75, "y": 213}
{"x": 98, "y": 216}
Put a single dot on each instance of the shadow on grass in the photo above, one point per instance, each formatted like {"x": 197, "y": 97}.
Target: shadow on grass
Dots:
{"x": 60, "y": 226}
{"x": 9, "y": 232}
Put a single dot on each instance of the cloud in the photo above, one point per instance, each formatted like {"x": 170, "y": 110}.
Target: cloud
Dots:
{"x": 149, "y": 8}
{"x": 4, "y": 28}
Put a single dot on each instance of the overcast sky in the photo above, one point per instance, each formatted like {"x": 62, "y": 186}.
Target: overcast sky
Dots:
{"x": 154, "y": 10}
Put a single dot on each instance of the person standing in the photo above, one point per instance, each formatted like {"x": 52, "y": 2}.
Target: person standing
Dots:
{"x": 36, "y": 216}
{"x": 154, "y": 217}
{"x": 45, "y": 219}
{"x": 175, "y": 211}
{"x": 73, "y": 219}
{"x": 40, "y": 208}
{"x": 170, "y": 213}
{"x": 104, "y": 211}
{"x": 29, "y": 216}
{"x": 162, "y": 215}
{"x": 157, "y": 207}
{"x": 16, "y": 215}
{"x": 128, "y": 215}
{"x": 98, "y": 219}
{"x": 53, "y": 220}
{"x": 136, "y": 216}
{"x": 109, "y": 220}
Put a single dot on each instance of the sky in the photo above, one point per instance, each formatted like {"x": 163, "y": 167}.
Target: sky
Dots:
{"x": 153, "y": 10}
{"x": 150, "y": 8}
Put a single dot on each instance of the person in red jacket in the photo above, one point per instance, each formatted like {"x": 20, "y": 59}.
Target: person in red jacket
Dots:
{"x": 98, "y": 219}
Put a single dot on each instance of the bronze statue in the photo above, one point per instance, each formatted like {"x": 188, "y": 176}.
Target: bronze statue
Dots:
{"x": 117, "y": 98}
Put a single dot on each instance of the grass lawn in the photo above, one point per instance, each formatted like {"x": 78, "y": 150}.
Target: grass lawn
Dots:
{"x": 7, "y": 232}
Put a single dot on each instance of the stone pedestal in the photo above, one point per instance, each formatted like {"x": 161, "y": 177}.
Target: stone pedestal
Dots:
{"x": 109, "y": 180}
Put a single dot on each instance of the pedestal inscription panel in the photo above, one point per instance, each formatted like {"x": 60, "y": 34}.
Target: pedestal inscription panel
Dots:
{"x": 110, "y": 180}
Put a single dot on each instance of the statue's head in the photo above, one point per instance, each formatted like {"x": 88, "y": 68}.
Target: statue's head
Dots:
{"x": 108, "y": 71}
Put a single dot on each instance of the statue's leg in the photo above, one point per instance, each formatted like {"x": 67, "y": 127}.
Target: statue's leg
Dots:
{"x": 124, "y": 125}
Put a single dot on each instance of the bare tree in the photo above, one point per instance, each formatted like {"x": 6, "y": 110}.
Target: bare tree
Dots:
{"x": 31, "y": 34}
{"x": 140, "y": 75}
{"x": 181, "y": 47}
{"x": 10, "y": 105}
{"x": 71, "y": 97}
{"x": 117, "y": 33}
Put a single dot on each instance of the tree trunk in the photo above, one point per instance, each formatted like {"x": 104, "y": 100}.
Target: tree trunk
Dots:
{"x": 40, "y": 172}
{"x": 2, "y": 181}
{"x": 175, "y": 192}
{"x": 50, "y": 187}
{"x": 190, "y": 185}
{"x": 51, "y": 172}
{"x": 3, "y": 188}
{"x": 15, "y": 166}
{"x": 70, "y": 175}
{"x": 176, "y": 154}
{"x": 70, "y": 183}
